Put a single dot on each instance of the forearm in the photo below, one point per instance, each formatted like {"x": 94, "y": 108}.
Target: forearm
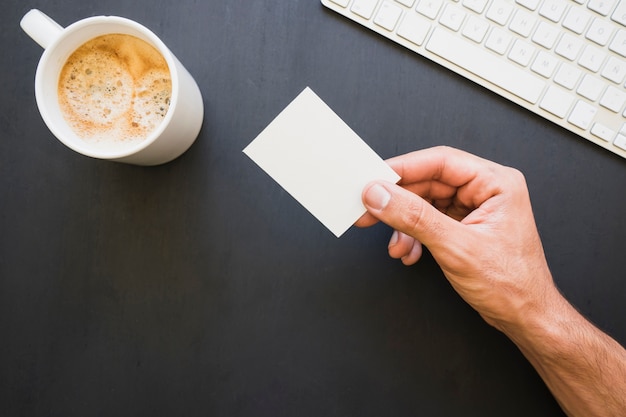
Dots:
{"x": 584, "y": 368}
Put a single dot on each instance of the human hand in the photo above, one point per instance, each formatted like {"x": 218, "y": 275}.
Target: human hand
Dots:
{"x": 476, "y": 219}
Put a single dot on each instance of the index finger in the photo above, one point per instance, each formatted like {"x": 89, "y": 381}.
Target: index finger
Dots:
{"x": 443, "y": 164}
{"x": 447, "y": 173}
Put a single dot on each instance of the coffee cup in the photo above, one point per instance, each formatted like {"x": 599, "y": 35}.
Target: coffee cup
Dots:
{"x": 108, "y": 88}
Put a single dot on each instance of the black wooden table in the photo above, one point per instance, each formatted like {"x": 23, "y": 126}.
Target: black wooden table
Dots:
{"x": 200, "y": 288}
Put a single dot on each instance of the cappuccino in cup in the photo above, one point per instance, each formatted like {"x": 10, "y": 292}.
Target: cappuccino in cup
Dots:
{"x": 114, "y": 90}
{"x": 109, "y": 88}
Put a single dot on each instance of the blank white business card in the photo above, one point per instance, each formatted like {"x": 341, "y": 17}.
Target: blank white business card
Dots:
{"x": 319, "y": 160}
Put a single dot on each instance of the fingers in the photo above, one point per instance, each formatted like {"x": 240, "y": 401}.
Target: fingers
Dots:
{"x": 444, "y": 175}
{"x": 442, "y": 164}
{"x": 366, "y": 220}
{"x": 404, "y": 247}
{"x": 409, "y": 214}
{"x": 441, "y": 190}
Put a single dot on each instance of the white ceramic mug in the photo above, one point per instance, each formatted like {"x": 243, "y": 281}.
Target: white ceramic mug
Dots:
{"x": 173, "y": 136}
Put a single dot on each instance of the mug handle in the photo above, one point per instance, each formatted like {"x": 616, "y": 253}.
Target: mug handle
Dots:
{"x": 41, "y": 28}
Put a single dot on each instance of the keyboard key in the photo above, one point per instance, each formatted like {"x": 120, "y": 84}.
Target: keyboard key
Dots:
{"x": 529, "y": 4}
{"x": 500, "y": 11}
{"x": 576, "y": 20}
{"x": 553, "y": 9}
{"x": 545, "y": 64}
{"x": 590, "y": 87}
{"x": 498, "y": 40}
{"x": 619, "y": 15}
{"x": 567, "y": 76}
{"x": 582, "y": 115}
{"x": 592, "y": 58}
{"x": 602, "y": 7}
{"x": 613, "y": 99}
{"x": 602, "y": 132}
{"x": 342, "y": 3}
{"x": 557, "y": 101}
{"x": 620, "y": 141}
{"x": 523, "y": 23}
{"x": 619, "y": 43}
{"x": 545, "y": 35}
{"x": 414, "y": 28}
{"x": 600, "y": 32}
{"x": 364, "y": 8}
{"x": 429, "y": 8}
{"x": 485, "y": 65}
{"x": 388, "y": 15}
{"x": 569, "y": 46}
{"x": 452, "y": 17}
{"x": 475, "y": 29}
{"x": 521, "y": 52}
{"x": 407, "y": 3}
{"x": 476, "y": 5}
{"x": 614, "y": 70}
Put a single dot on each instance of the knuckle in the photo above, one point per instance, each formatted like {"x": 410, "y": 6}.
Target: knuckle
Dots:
{"x": 412, "y": 217}
{"x": 418, "y": 220}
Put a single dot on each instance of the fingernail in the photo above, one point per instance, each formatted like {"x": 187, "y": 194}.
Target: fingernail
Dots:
{"x": 394, "y": 238}
{"x": 377, "y": 197}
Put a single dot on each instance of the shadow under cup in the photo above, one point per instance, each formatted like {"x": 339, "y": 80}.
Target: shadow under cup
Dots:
{"x": 175, "y": 133}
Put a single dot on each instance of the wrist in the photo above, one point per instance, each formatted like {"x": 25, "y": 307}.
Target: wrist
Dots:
{"x": 584, "y": 368}
{"x": 545, "y": 327}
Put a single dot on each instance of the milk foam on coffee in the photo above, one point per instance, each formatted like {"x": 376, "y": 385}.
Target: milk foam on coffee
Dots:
{"x": 114, "y": 90}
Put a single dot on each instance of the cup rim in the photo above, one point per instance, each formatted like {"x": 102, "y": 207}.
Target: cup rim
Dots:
{"x": 78, "y": 144}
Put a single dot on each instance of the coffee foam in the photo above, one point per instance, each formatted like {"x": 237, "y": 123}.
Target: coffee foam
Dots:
{"x": 115, "y": 89}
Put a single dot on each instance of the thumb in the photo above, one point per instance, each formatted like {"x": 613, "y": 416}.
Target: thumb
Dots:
{"x": 409, "y": 214}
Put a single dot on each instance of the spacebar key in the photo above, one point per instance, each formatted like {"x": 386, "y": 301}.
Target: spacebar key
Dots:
{"x": 478, "y": 61}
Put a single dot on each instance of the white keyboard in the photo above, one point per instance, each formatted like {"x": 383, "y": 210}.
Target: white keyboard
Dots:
{"x": 565, "y": 60}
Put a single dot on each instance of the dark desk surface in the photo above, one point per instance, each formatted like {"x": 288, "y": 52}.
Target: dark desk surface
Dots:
{"x": 200, "y": 288}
